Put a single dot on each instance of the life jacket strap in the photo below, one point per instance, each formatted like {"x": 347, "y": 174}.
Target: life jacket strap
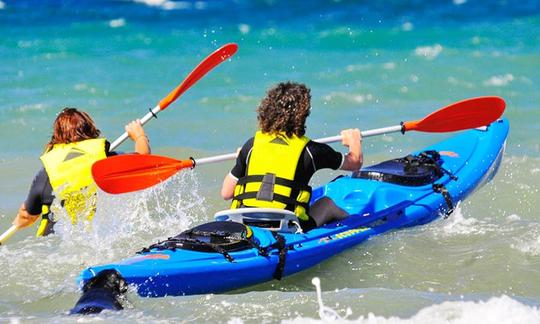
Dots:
{"x": 276, "y": 197}
{"x": 266, "y": 191}
{"x": 279, "y": 181}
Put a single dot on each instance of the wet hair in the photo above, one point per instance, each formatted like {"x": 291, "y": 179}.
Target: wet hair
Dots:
{"x": 72, "y": 125}
{"x": 285, "y": 109}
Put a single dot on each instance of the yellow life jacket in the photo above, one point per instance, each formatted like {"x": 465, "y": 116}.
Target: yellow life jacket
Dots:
{"x": 269, "y": 180}
{"x": 69, "y": 169}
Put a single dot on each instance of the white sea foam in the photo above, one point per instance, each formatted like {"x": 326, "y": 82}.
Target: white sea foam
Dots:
{"x": 244, "y": 28}
{"x": 389, "y": 66}
{"x": 358, "y": 67}
{"x": 513, "y": 218}
{"x": 458, "y": 224}
{"x": 2, "y": 5}
{"x": 407, "y": 26}
{"x": 529, "y": 243}
{"x": 429, "y": 52}
{"x": 173, "y": 5}
{"x": 495, "y": 310}
{"x": 34, "y": 107}
{"x": 499, "y": 80}
{"x": 115, "y": 23}
{"x": 354, "y": 98}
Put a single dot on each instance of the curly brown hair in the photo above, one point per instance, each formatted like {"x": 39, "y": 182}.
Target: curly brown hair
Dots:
{"x": 72, "y": 125}
{"x": 285, "y": 109}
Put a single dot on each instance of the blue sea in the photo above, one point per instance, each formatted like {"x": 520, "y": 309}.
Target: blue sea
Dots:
{"x": 369, "y": 64}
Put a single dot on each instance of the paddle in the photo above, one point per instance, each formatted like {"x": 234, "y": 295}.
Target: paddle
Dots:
{"x": 132, "y": 172}
{"x": 211, "y": 61}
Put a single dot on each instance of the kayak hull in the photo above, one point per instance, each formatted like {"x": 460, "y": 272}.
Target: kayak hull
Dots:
{"x": 375, "y": 207}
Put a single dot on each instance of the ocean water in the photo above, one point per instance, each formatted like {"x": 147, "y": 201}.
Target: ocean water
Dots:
{"x": 369, "y": 64}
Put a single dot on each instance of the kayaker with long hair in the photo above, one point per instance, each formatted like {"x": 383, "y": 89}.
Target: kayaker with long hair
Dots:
{"x": 66, "y": 174}
{"x": 274, "y": 167}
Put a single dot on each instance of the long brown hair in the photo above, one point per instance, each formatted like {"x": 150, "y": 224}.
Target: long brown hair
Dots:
{"x": 72, "y": 125}
{"x": 285, "y": 109}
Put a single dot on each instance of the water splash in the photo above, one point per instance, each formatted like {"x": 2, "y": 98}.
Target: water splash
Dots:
{"x": 41, "y": 268}
{"x": 458, "y": 224}
{"x": 326, "y": 313}
{"x": 529, "y": 242}
{"x": 495, "y": 310}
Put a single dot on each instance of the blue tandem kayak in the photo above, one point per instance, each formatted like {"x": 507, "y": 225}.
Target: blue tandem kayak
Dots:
{"x": 223, "y": 255}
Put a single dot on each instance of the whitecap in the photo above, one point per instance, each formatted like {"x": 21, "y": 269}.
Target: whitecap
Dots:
{"x": 389, "y": 66}
{"x": 499, "y": 80}
{"x": 244, "y": 28}
{"x": 33, "y": 107}
{"x": 115, "y": 23}
{"x": 495, "y": 310}
{"x": 357, "y": 67}
{"x": 429, "y": 52}
{"x": 529, "y": 243}
{"x": 2, "y": 5}
{"x": 407, "y": 26}
{"x": 171, "y": 5}
{"x": 354, "y": 98}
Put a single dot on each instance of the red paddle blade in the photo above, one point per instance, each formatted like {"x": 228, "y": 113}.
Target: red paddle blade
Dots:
{"x": 466, "y": 114}
{"x": 206, "y": 65}
{"x": 132, "y": 172}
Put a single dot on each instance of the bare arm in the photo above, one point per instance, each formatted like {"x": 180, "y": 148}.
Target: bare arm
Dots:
{"x": 353, "y": 140}
{"x": 227, "y": 190}
{"x": 24, "y": 218}
{"x": 137, "y": 135}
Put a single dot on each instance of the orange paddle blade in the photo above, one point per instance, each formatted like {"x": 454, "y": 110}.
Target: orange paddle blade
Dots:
{"x": 132, "y": 172}
{"x": 466, "y": 114}
{"x": 206, "y": 65}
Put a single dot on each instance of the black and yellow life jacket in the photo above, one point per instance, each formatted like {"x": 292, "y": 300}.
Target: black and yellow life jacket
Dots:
{"x": 269, "y": 180}
{"x": 69, "y": 169}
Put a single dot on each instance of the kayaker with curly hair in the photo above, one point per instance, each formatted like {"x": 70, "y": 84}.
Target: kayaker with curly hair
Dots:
{"x": 66, "y": 174}
{"x": 274, "y": 167}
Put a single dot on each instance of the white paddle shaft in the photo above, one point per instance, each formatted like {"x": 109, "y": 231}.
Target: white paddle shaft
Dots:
{"x": 331, "y": 139}
{"x": 152, "y": 113}
{"x": 7, "y": 234}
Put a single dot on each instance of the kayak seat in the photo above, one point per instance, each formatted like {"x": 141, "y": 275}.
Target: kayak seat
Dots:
{"x": 273, "y": 219}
